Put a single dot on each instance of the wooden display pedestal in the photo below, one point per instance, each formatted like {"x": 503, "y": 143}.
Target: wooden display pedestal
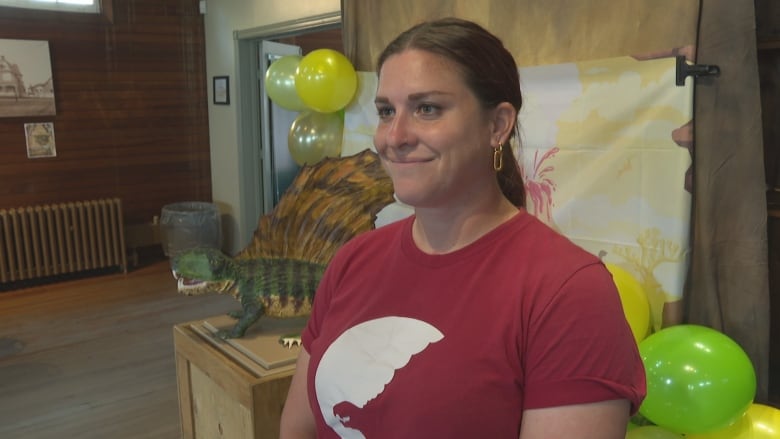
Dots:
{"x": 233, "y": 389}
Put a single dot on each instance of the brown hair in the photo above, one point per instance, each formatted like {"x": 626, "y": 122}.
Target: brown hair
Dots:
{"x": 488, "y": 69}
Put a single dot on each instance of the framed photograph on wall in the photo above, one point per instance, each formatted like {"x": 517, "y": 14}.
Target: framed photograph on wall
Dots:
{"x": 26, "y": 85}
{"x": 221, "y": 90}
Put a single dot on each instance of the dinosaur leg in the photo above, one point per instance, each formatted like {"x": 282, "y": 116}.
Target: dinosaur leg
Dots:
{"x": 250, "y": 315}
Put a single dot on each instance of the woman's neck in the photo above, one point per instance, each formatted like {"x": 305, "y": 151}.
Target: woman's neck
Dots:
{"x": 445, "y": 230}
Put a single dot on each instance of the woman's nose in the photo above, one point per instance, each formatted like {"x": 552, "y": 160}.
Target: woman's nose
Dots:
{"x": 398, "y": 131}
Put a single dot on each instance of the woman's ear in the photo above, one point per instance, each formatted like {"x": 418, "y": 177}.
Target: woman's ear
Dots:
{"x": 504, "y": 120}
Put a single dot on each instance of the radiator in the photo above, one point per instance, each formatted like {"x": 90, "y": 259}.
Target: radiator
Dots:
{"x": 48, "y": 241}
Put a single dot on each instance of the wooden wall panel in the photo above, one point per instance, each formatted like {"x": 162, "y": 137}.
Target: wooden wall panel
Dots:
{"x": 131, "y": 109}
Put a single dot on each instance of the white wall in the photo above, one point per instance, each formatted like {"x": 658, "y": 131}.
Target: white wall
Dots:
{"x": 222, "y": 19}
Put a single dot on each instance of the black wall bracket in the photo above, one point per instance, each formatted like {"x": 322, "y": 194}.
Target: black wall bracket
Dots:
{"x": 696, "y": 70}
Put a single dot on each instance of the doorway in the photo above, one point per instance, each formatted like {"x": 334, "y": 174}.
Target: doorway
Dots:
{"x": 278, "y": 167}
{"x": 258, "y": 188}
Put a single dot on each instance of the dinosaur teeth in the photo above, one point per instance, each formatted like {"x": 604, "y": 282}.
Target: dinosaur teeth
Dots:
{"x": 188, "y": 286}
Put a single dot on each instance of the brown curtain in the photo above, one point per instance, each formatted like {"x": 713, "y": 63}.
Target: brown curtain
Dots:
{"x": 536, "y": 31}
{"x": 728, "y": 284}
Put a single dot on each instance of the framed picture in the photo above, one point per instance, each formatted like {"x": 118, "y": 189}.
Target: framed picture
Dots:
{"x": 26, "y": 86}
{"x": 221, "y": 90}
{"x": 40, "y": 140}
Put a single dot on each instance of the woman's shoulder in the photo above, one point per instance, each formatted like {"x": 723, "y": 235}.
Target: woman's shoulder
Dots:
{"x": 545, "y": 243}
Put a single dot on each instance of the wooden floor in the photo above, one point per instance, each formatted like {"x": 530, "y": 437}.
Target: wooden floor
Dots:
{"x": 94, "y": 358}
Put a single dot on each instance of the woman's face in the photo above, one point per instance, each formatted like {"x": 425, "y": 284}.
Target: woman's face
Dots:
{"x": 433, "y": 136}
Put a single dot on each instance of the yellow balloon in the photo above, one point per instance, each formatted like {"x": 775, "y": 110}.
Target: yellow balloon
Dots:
{"x": 314, "y": 136}
{"x": 759, "y": 422}
{"x": 280, "y": 83}
{"x": 325, "y": 80}
{"x": 636, "y": 307}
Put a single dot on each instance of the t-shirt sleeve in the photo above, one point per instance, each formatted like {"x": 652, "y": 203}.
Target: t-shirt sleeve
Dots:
{"x": 580, "y": 348}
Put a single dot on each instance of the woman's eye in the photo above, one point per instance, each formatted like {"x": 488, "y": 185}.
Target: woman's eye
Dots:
{"x": 427, "y": 109}
{"x": 384, "y": 112}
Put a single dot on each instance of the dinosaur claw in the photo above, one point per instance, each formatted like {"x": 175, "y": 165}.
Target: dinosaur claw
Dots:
{"x": 290, "y": 342}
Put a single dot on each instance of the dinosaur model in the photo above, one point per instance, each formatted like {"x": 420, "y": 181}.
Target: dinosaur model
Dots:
{"x": 276, "y": 287}
{"x": 326, "y": 205}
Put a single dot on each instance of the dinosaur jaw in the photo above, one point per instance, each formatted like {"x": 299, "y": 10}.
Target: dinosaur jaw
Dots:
{"x": 190, "y": 287}
{"x": 196, "y": 287}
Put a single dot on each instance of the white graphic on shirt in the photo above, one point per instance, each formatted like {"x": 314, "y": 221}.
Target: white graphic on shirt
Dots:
{"x": 361, "y": 362}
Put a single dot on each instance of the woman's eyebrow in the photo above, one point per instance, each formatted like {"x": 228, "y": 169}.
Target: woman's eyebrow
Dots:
{"x": 414, "y": 97}
{"x": 425, "y": 95}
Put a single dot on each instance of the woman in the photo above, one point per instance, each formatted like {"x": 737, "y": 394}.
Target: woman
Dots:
{"x": 470, "y": 318}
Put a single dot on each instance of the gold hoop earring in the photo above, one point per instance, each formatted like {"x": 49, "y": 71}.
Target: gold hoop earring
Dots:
{"x": 498, "y": 157}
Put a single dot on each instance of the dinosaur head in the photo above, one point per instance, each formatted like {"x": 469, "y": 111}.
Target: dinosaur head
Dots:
{"x": 203, "y": 270}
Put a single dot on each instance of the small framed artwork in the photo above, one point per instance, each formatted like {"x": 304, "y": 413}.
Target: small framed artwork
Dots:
{"x": 40, "y": 140}
{"x": 221, "y": 90}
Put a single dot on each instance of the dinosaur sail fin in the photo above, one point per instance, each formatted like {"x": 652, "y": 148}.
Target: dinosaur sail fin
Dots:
{"x": 326, "y": 205}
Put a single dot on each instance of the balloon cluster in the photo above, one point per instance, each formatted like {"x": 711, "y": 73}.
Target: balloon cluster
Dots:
{"x": 700, "y": 383}
{"x": 318, "y": 85}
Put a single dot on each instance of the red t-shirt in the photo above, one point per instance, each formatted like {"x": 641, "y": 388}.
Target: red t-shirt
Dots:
{"x": 407, "y": 344}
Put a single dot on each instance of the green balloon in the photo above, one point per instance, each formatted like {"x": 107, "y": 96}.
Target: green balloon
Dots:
{"x": 698, "y": 379}
{"x": 651, "y": 432}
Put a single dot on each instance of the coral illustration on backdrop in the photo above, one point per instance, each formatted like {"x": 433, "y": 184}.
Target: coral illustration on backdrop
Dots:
{"x": 539, "y": 186}
{"x": 652, "y": 252}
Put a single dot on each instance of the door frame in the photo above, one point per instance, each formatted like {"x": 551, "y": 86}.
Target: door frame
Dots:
{"x": 278, "y": 164}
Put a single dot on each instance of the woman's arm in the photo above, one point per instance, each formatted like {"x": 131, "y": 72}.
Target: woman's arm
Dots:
{"x": 599, "y": 420}
{"x": 297, "y": 419}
